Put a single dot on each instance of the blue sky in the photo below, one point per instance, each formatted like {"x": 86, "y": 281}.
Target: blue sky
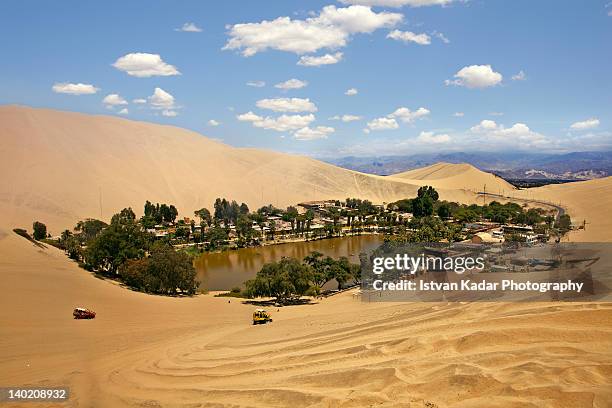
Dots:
{"x": 429, "y": 75}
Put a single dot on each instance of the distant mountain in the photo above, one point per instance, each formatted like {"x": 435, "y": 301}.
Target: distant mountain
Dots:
{"x": 517, "y": 165}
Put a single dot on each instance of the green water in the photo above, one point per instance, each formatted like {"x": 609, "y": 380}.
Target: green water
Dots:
{"x": 224, "y": 270}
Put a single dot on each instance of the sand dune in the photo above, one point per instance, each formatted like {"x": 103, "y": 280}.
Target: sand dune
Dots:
{"x": 60, "y": 167}
{"x": 152, "y": 351}
{"x": 589, "y": 201}
{"x": 456, "y": 176}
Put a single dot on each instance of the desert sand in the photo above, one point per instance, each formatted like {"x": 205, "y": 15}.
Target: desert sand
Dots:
{"x": 589, "y": 201}
{"x": 153, "y": 351}
{"x": 460, "y": 176}
{"x": 61, "y": 167}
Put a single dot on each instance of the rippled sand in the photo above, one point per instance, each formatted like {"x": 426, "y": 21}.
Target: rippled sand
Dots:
{"x": 152, "y": 351}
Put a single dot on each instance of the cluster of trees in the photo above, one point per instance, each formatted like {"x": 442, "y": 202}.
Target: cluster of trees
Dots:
{"x": 427, "y": 203}
{"x": 164, "y": 271}
{"x": 426, "y": 229}
{"x": 123, "y": 239}
{"x": 84, "y": 232}
{"x": 226, "y": 212}
{"x": 363, "y": 206}
{"x": 123, "y": 250}
{"x": 155, "y": 214}
{"x": 422, "y": 206}
{"x": 289, "y": 278}
{"x": 502, "y": 213}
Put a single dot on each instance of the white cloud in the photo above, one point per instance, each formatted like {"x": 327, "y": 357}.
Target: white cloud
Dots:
{"x": 331, "y": 29}
{"x": 111, "y": 100}
{"x": 169, "y": 113}
{"x": 320, "y": 132}
{"x": 282, "y": 123}
{"x": 317, "y": 61}
{"x": 249, "y": 117}
{"x": 123, "y": 111}
{"x": 189, "y": 28}
{"x": 74, "y": 89}
{"x": 390, "y": 122}
{"x": 441, "y": 36}
{"x": 476, "y": 76}
{"x": 139, "y": 101}
{"x": 430, "y": 137}
{"x": 409, "y": 36}
{"x": 585, "y": 124}
{"x": 398, "y": 3}
{"x": 143, "y": 65}
{"x": 408, "y": 116}
{"x": 351, "y": 92}
{"x": 291, "y": 84}
{"x": 346, "y": 118}
{"x": 213, "y": 122}
{"x": 161, "y": 100}
{"x": 287, "y": 105}
{"x": 458, "y": 114}
{"x": 520, "y": 76}
{"x": 256, "y": 84}
{"x": 384, "y": 123}
{"x": 519, "y": 133}
{"x": 484, "y": 126}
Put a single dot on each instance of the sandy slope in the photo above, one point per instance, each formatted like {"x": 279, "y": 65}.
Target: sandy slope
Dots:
{"x": 60, "y": 167}
{"x": 456, "y": 176}
{"x": 151, "y": 351}
{"x": 589, "y": 201}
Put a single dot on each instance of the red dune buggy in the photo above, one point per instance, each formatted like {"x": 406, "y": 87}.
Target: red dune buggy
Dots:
{"x": 82, "y": 313}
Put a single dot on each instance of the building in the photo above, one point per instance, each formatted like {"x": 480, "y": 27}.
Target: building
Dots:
{"x": 318, "y": 205}
{"x": 487, "y": 238}
{"x": 517, "y": 229}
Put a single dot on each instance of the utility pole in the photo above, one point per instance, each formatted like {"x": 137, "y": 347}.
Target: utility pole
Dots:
{"x": 484, "y": 197}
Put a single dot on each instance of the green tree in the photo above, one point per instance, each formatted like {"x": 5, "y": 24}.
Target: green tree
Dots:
{"x": 564, "y": 224}
{"x": 216, "y": 237}
{"x": 40, "y": 230}
{"x": 428, "y": 191}
{"x": 204, "y": 215}
{"x": 283, "y": 280}
{"x": 123, "y": 239}
{"x": 290, "y": 215}
{"x": 165, "y": 271}
{"x": 321, "y": 268}
{"x": 444, "y": 211}
{"x": 244, "y": 228}
{"x": 422, "y": 206}
{"x": 88, "y": 229}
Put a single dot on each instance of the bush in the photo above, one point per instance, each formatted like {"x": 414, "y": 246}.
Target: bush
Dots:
{"x": 124, "y": 239}
{"x": 40, "y": 230}
{"x": 283, "y": 280}
{"x": 564, "y": 224}
{"x": 165, "y": 272}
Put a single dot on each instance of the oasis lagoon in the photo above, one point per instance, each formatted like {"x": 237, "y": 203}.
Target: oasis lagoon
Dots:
{"x": 228, "y": 269}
